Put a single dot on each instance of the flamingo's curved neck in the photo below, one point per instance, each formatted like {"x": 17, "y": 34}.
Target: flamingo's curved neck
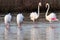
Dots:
{"x": 38, "y": 10}
{"x": 47, "y": 11}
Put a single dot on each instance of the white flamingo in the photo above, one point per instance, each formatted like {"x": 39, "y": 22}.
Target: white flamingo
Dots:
{"x": 7, "y": 20}
{"x": 34, "y": 30}
{"x": 20, "y": 18}
{"x": 52, "y": 16}
{"x": 34, "y": 15}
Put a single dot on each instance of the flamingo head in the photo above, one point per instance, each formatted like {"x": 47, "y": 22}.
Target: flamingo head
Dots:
{"x": 39, "y": 3}
{"x": 47, "y": 4}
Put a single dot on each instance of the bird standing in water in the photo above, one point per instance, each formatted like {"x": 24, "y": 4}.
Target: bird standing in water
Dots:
{"x": 20, "y": 18}
{"x": 34, "y": 15}
{"x": 7, "y": 20}
{"x": 52, "y": 16}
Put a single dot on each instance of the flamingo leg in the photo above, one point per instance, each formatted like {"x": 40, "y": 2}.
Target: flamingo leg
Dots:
{"x": 7, "y": 29}
{"x": 52, "y": 25}
{"x": 19, "y": 26}
{"x": 19, "y": 32}
{"x": 33, "y": 23}
{"x": 18, "y": 29}
{"x": 7, "y": 26}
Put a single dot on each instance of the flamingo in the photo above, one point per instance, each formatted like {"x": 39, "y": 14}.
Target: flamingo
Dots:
{"x": 34, "y": 30}
{"x": 20, "y": 18}
{"x": 7, "y": 20}
{"x": 34, "y": 15}
{"x": 52, "y": 16}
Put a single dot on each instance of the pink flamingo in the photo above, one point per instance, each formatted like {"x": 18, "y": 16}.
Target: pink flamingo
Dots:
{"x": 52, "y": 16}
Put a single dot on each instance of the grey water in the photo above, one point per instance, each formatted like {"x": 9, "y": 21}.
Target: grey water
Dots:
{"x": 27, "y": 30}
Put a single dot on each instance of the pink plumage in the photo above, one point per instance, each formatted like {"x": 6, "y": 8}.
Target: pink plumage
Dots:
{"x": 53, "y": 18}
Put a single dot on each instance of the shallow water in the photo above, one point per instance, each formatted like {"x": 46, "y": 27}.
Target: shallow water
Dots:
{"x": 27, "y": 30}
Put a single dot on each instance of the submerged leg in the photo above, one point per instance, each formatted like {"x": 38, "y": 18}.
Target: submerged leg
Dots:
{"x": 6, "y": 31}
{"x": 19, "y": 32}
